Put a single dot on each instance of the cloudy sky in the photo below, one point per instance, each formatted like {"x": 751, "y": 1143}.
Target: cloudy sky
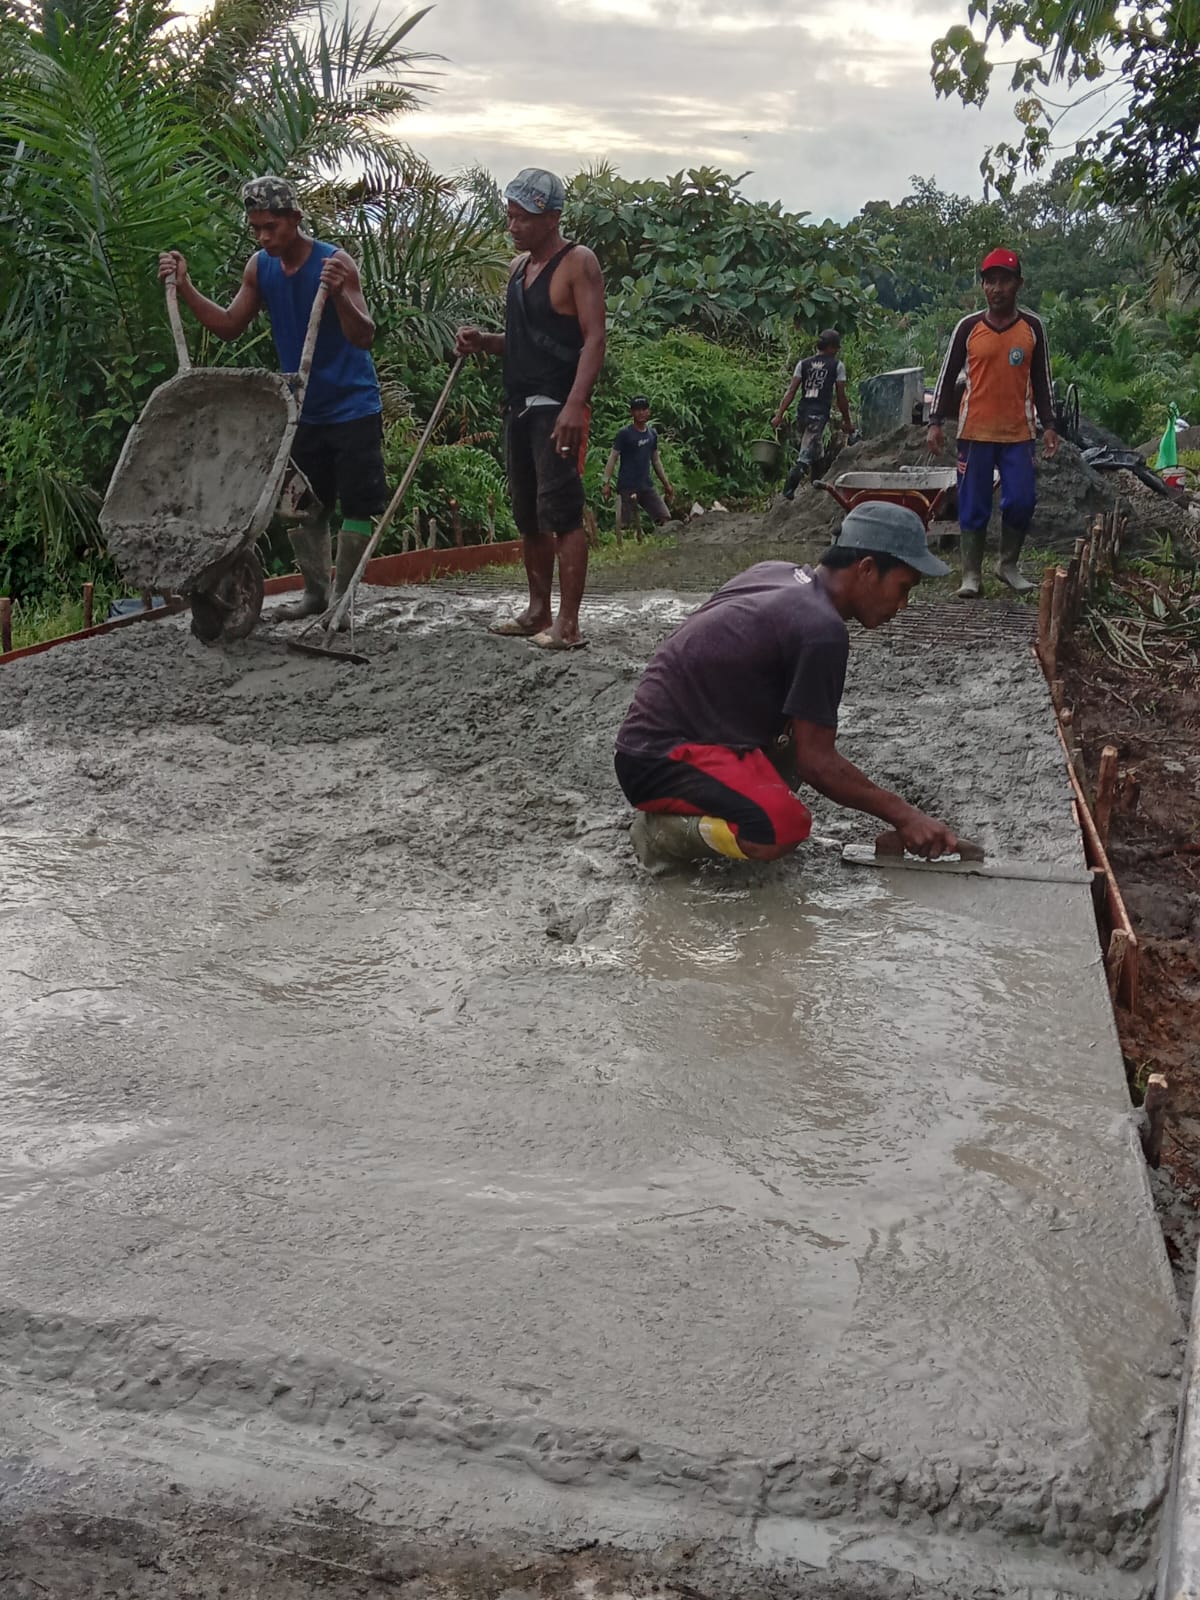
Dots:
{"x": 827, "y": 101}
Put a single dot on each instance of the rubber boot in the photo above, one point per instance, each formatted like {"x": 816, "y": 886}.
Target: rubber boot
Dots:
{"x": 972, "y": 565}
{"x": 659, "y": 840}
{"x": 311, "y": 544}
{"x": 794, "y": 479}
{"x": 1007, "y": 569}
{"x": 350, "y": 547}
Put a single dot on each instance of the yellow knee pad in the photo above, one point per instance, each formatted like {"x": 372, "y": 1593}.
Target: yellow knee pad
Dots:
{"x": 719, "y": 837}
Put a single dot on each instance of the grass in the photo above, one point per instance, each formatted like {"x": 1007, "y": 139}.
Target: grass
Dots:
{"x": 52, "y": 616}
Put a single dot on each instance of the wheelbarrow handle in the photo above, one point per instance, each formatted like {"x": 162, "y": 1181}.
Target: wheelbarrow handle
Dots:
{"x": 310, "y": 344}
{"x": 181, "y": 349}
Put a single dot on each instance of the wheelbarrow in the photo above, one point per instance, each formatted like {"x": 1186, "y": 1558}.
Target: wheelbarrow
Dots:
{"x": 199, "y": 478}
{"x": 921, "y": 489}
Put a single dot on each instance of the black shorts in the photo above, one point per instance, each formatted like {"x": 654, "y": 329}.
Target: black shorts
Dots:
{"x": 546, "y": 489}
{"x": 343, "y": 462}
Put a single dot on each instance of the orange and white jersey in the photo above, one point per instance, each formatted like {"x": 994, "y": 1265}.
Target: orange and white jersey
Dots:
{"x": 1007, "y": 385}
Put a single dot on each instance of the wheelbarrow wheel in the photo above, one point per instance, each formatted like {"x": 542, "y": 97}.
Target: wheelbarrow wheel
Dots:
{"x": 230, "y": 610}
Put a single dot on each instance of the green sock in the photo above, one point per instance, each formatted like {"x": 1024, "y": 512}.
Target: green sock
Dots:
{"x": 360, "y": 525}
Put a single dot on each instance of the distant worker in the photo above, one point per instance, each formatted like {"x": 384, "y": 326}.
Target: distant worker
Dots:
{"x": 636, "y": 448}
{"x": 818, "y": 380}
{"x": 339, "y": 441}
{"x": 553, "y": 349}
{"x": 700, "y": 753}
{"x": 1003, "y": 353}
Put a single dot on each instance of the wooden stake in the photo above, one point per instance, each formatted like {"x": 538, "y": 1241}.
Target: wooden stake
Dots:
{"x": 593, "y": 532}
{"x": 1045, "y": 597}
{"x": 5, "y": 624}
{"x": 491, "y": 522}
{"x": 431, "y": 542}
{"x": 88, "y": 591}
{"x": 1127, "y": 792}
{"x": 1056, "y": 693}
{"x": 1106, "y": 788}
{"x": 1058, "y": 612}
{"x": 456, "y": 524}
{"x": 1155, "y": 1105}
{"x": 1114, "y": 961}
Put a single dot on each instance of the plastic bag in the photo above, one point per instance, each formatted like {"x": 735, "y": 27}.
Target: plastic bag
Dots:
{"x": 1168, "y": 453}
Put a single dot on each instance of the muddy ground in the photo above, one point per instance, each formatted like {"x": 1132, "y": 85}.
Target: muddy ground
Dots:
{"x": 341, "y": 1009}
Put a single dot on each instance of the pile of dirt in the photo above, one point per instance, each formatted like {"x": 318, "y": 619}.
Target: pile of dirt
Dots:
{"x": 1185, "y": 439}
{"x": 1151, "y": 514}
{"x": 1070, "y": 492}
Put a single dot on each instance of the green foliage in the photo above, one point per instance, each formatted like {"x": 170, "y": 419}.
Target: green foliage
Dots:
{"x": 707, "y": 404}
{"x": 449, "y": 474}
{"x": 692, "y": 252}
{"x": 1143, "y": 57}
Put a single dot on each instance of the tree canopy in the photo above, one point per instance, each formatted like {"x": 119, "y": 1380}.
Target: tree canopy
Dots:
{"x": 1143, "y": 58}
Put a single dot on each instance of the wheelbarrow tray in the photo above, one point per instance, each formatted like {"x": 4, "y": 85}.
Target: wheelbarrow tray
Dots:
{"x": 922, "y": 490}
{"x": 199, "y": 476}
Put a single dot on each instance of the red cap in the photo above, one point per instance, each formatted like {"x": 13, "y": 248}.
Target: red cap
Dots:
{"x": 1008, "y": 259}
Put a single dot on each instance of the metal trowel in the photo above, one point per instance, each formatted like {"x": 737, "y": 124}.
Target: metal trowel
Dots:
{"x": 971, "y": 860}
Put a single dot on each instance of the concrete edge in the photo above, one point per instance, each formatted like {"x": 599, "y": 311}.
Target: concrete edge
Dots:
{"x": 1179, "y": 1568}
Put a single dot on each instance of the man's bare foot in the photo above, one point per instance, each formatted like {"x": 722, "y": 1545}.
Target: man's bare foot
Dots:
{"x": 557, "y": 638}
{"x": 522, "y": 627}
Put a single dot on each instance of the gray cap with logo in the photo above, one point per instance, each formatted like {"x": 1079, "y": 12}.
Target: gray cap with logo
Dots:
{"x": 537, "y": 191}
{"x": 270, "y": 193}
{"x": 878, "y": 527}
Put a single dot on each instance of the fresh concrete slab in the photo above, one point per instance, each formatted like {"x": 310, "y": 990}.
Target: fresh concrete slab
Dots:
{"x": 380, "y": 1138}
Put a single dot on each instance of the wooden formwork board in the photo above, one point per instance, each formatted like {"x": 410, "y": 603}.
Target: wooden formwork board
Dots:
{"x": 417, "y": 566}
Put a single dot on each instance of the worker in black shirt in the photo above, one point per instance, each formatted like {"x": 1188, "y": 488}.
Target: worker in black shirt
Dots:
{"x": 636, "y": 449}
{"x": 553, "y": 349}
{"x": 817, "y": 379}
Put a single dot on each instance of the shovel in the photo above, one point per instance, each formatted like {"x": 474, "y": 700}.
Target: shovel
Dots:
{"x": 331, "y": 619}
{"x": 970, "y": 861}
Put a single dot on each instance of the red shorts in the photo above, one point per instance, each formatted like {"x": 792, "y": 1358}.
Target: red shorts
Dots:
{"x": 708, "y": 780}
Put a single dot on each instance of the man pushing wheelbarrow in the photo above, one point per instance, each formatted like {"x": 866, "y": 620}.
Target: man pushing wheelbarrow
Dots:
{"x": 338, "y": 443}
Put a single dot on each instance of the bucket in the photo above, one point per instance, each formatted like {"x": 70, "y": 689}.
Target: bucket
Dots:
{"x": 766, "y": 452}
{"x": 1174, "y": 477}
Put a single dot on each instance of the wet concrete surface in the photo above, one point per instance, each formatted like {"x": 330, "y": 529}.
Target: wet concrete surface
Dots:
{"x": 384, "y": 1147}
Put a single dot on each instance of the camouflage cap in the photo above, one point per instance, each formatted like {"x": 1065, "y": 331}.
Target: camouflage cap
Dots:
{"x": 269, "y": 193}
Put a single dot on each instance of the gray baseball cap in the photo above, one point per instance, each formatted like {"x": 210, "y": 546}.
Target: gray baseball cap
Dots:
{"x": 270, "y": 193}
{"x": 878, "y": 527}
{"x": 537, "y": 191}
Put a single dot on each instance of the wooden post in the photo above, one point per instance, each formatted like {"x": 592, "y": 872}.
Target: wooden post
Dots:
{"x": 491, "y": 522}
{"x": 1058, "y": 611}
{"x": 1056, "y": 693}
{"x": 147, "y": 599}
{"x": 1114, "y": 961}
{"x": 456, "y": 524}
{"x": 593, "y": 532}
{"x": 1045, "y": 596}
{"x": 88, "y": 592}
{"x": 1127, "y": 792}
{"x": 5, "y": 624}
{"x": 431, "y": 542}
{"x": 1106, "y": 788}
{"x": 1155, "y": 1105}
{"x": 416, "y": 529}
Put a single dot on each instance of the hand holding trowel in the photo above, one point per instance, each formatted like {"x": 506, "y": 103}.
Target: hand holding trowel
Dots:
{"x": 969, "y": 859}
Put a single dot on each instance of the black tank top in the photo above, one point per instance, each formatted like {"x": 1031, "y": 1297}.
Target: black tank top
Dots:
{"x": 541, "y": 345}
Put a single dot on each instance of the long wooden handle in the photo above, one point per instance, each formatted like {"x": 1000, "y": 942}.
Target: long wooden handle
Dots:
{"x": 385, "y": 521}
{"x": 310, "y": 344}
{"x": 181, "y": 349}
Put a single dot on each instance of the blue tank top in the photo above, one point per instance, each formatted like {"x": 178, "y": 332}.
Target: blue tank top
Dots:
{"x": 342, "y": 385}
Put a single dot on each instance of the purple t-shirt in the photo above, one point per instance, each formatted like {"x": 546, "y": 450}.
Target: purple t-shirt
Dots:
{"x": 767, "y": 647}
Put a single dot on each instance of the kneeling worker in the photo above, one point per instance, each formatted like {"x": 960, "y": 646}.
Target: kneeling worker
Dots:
{"x": 764, "y": 657}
